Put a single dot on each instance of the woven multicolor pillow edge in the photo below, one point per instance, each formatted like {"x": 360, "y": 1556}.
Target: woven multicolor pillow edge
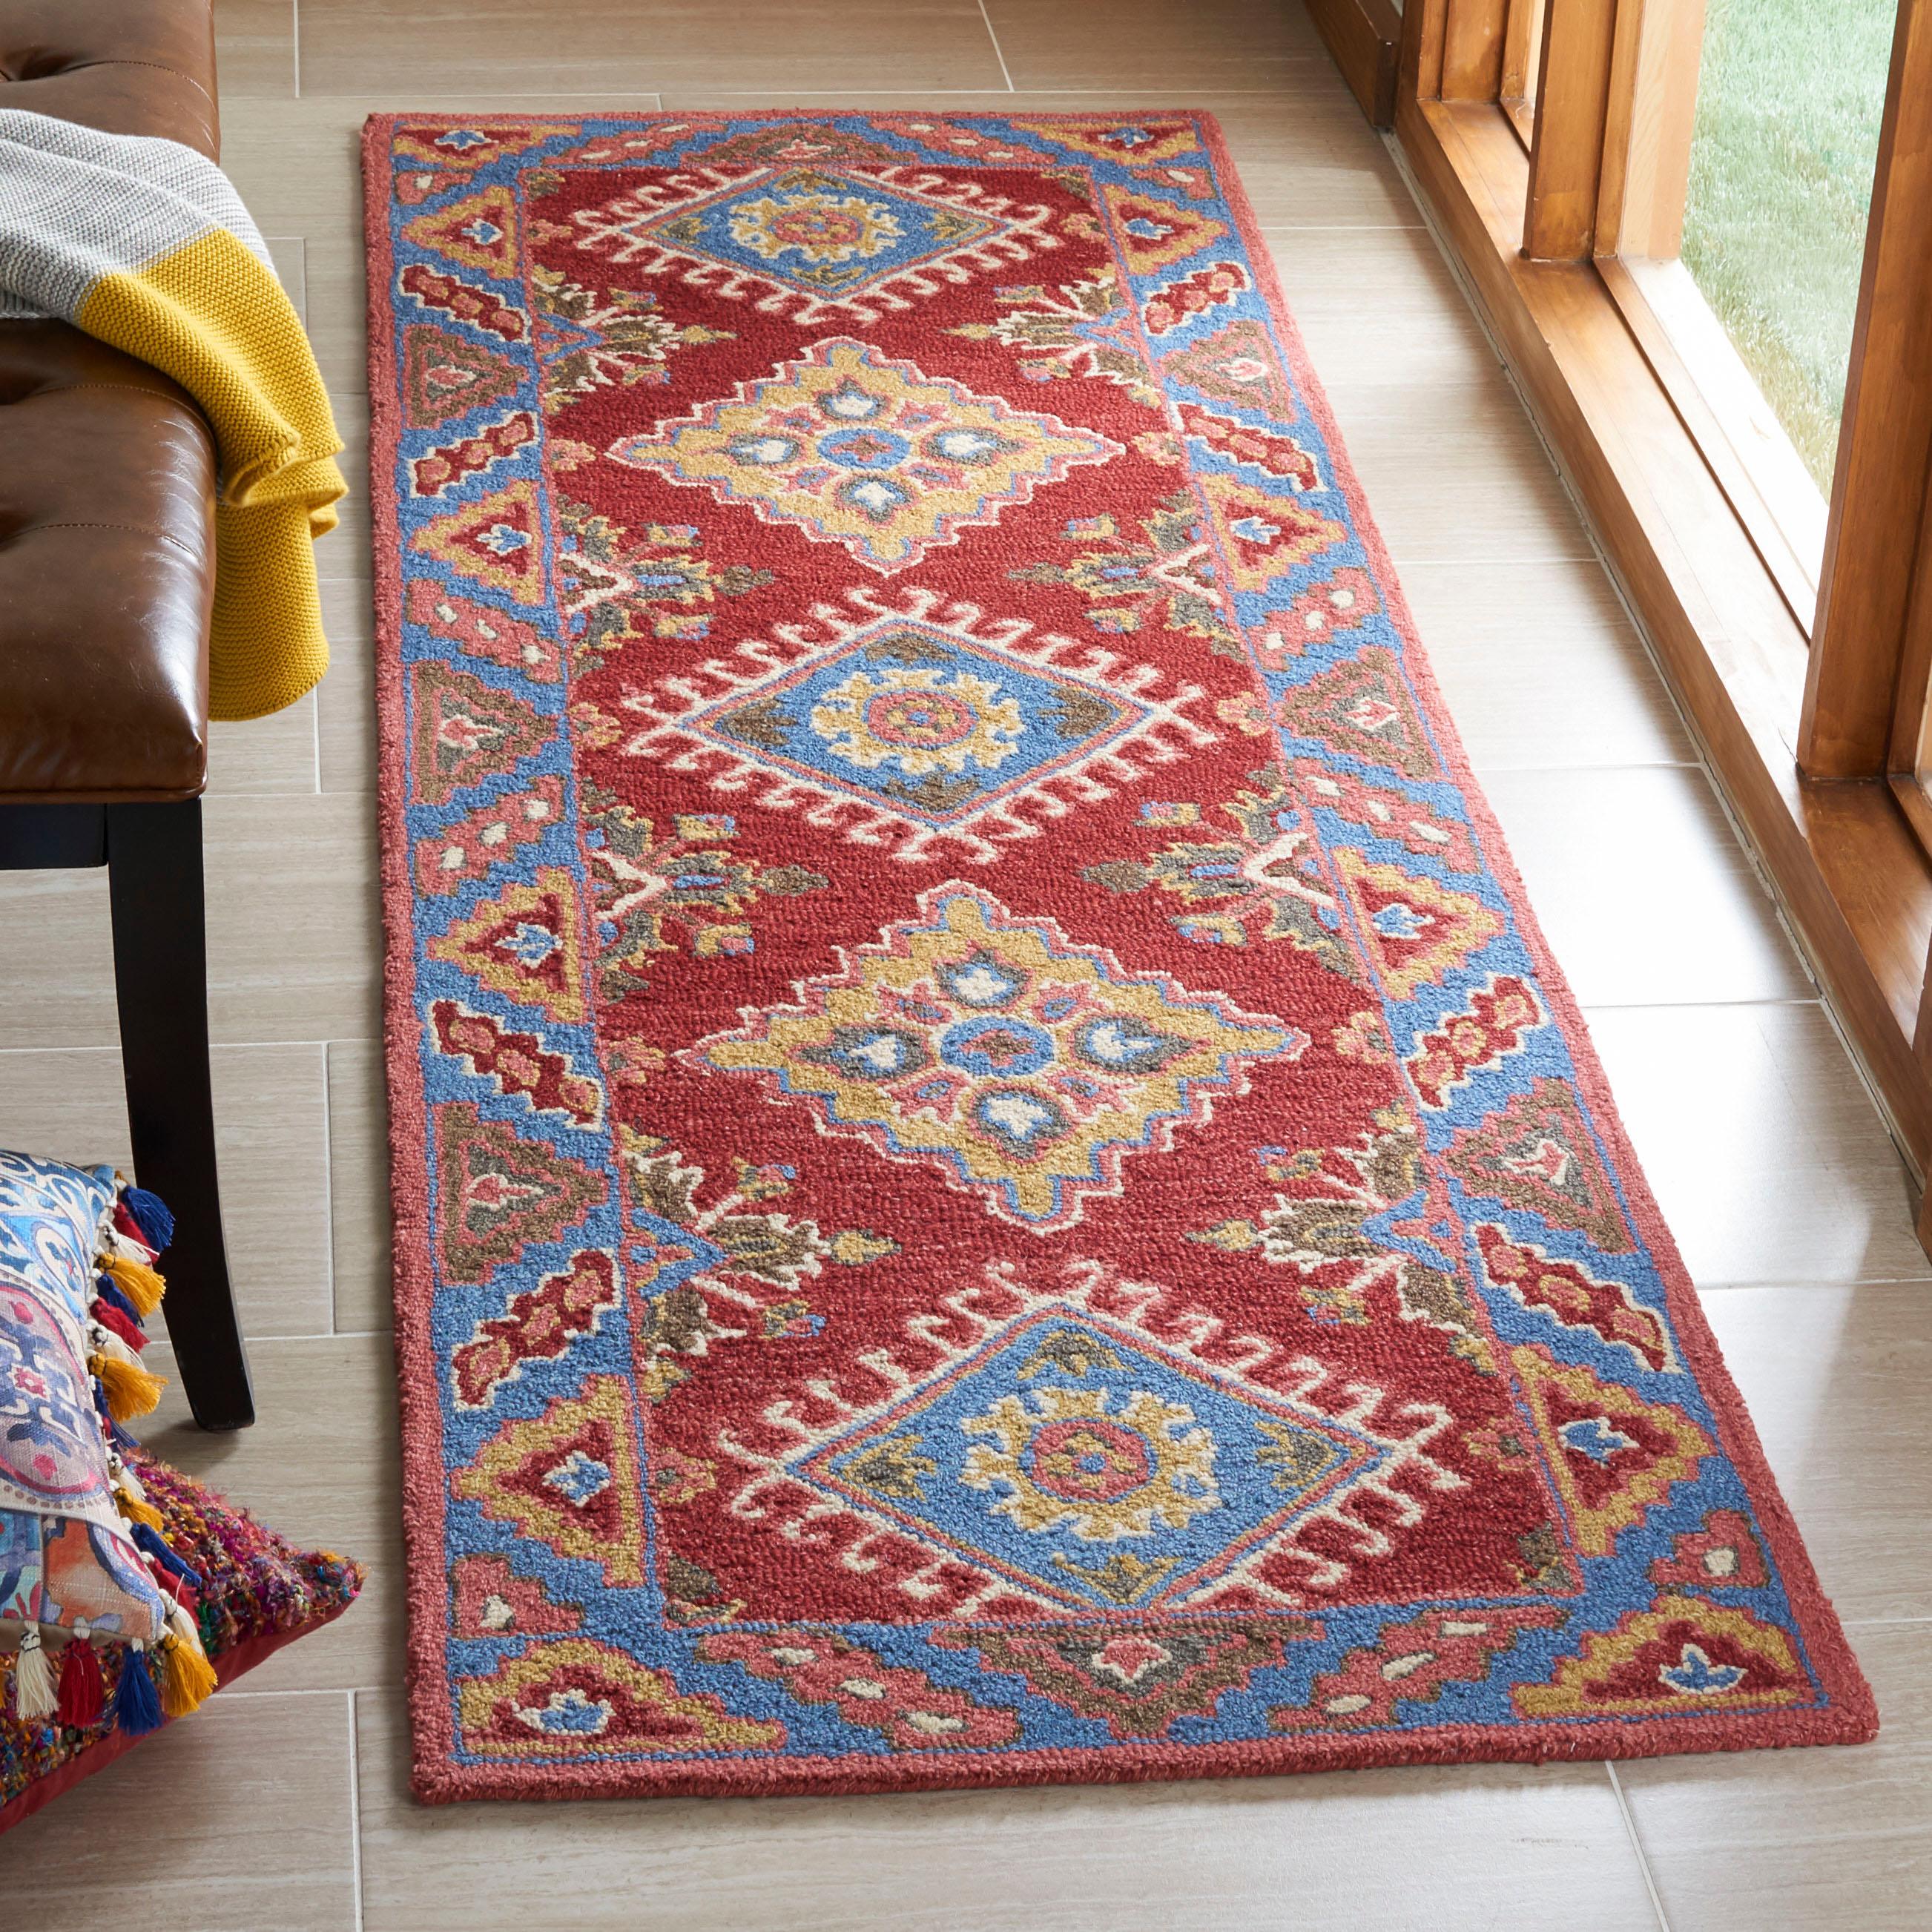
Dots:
{"x": 259, "y": 1593}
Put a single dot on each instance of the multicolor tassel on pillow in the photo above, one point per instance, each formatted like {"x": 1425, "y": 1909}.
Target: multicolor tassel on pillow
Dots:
{"x": 106, "y": 1295}
{"x": 135, "y": 1280}
{"x": 130, "y": 1389}
{"x": 124, "y": 1326}
{"x": 137, "y": 1706}
{"x": 35, "y": 1694}
{"x": 188, "y": 1677}
{"x": 164, "y": 1560}
{"x": 83, "y": 1696}
{"x": 152, "y": 1223}
{"x": 130, "y": 1499}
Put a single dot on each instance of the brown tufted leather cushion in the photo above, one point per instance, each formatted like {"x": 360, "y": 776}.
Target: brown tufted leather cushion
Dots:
{"x": 131, "y": 67}
{"x": 106, "y": 469}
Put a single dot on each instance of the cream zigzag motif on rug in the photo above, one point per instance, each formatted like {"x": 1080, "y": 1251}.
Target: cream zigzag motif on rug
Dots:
{"x": 817, "y": 243}
{"x": 935, "y": 1478}
{"x": 918, "y": 725}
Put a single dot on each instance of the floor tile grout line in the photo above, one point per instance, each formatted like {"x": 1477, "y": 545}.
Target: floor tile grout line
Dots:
{"x": 999, "y": 52}
{"x": 260, "y": 1339}
{"x": 319, "y": 789}
{"x": 1585, "y": 770}
{"x": 376, "y": 1687}
{"x": 1589, "y": 1006}
{"x": 1341, "y": 228}
{"x": 1636, "y": 1846}
{"x": 328, "y": 1184}
{"x": 315, "y": 730}
{"x": 1206, "y": 93}
{"x": 1399, "y": 563}
{"x": 221, "y": 1045}
{"x": 1809, "y": 1284}
{"x": 354, "y": 1814}
{"x": 233, "y": 1694}
{"x": 1337, "y": 228}
{"x": 1481, "y": 768}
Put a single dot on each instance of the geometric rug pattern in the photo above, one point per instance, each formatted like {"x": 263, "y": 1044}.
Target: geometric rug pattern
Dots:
{"x": 994, "y": 1183}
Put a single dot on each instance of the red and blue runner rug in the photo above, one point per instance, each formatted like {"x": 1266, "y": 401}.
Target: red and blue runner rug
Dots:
{"x": 993, "y": 1182}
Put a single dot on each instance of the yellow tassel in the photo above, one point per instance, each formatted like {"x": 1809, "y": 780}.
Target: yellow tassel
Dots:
{"x": 135, "y": 1510}
{"x": 187, "y": 1676}
{"x": 107, "y": 1342}
{"x": 181, "y": 1621}
{"x": 118, "y": 1243}
{"x": 137, "y": 1281}
{"x": 130, "y": 1391}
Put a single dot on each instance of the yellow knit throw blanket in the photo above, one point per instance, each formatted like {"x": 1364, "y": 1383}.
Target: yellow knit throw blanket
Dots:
{"x": 144, "y": 244}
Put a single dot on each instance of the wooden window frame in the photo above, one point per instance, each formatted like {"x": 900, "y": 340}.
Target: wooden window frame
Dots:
{"x": 1717, "y": 399}
{"x": 1522, "y": 61}
{"x": 1565, "y": 246}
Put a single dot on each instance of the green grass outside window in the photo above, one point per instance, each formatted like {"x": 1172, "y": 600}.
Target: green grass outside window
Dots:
{"x": 1789, "y": 103}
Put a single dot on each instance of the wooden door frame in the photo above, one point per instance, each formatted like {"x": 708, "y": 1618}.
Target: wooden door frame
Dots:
{"x": 1365, "y": 38}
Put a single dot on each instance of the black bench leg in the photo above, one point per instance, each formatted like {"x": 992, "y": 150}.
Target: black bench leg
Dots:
{"x": 161, "y": 984}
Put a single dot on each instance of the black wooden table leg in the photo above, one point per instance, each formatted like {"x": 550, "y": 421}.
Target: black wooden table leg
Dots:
{"x": 160, "y": 982}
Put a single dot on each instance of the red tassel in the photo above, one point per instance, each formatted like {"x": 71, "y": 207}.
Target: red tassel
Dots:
{"x": 111, "y": 1318}
{"x": 124, "y": 1223}
{"x": 176, "y": 1589}
{"x": 83, "y": 1695}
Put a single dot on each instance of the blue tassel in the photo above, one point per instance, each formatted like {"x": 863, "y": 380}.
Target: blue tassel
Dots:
{"x": 104, "y": 1290}
{"x": 151, "y": 1215}
{"x": 137, "y": 1708}
{"x": 150, "y": 1539}
{"x": 115, "y": 1433}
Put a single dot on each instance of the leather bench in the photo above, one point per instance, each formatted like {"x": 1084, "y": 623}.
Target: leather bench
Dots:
{"x": 107, "y": 483}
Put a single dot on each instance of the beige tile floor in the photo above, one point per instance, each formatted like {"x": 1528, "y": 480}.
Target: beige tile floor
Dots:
{"x": 285, "y": 1807}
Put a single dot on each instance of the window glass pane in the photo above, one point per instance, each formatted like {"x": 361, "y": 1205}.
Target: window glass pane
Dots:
{"x": 1789, "y": 101}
